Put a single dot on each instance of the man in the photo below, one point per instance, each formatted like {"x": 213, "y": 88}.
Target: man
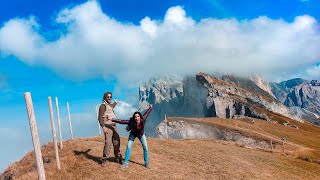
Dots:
{"x": 111, "y": 135}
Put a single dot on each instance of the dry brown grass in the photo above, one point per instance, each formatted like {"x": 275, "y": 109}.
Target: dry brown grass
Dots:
{"x": 170, "y": 159}
{"x": 302, "y": 143}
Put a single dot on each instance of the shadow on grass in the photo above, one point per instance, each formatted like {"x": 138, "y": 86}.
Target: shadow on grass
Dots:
{"x": 94, "y": 158}
{"x": 98, "y": 159}
{"x": 88, "y": 156}
{"x": 136, "y": 163}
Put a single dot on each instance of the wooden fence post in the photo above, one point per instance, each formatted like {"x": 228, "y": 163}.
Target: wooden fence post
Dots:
{"x": 35, "y": 137}
{"x": 59, "y": 127}
{"x": 54, "y": 133}
{"x": 165, "y": 119}
{"x": 97, "y": 111}
{"x": 71, "y": 133}
{"x": 283, "y": 147}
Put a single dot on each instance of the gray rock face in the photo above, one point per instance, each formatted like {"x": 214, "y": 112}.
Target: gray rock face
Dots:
{"x": 299, "y": 93}
{"x": 195, "y": 130}
{"x": 238, "y": 96}
{"x": 261, "y": 83}
{"x": 204, "y": 95}
{"x": 172, "y": 96}
{"x": 160, "y": 89}
{"x": 315, "y": 82}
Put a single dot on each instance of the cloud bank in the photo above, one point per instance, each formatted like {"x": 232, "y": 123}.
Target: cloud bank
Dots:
{"x": 92, "y": 44}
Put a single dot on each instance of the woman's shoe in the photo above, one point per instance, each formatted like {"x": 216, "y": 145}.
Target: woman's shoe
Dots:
{"x": 124, "y": 165}
{"x": 147, "y": 166}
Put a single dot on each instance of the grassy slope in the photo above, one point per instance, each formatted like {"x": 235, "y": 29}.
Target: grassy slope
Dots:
{"x": 301, "y": 143}
{"x": 177, "y": 159}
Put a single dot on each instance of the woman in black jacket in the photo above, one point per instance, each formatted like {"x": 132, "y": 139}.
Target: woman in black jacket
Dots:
{"x": 136, "y": 127}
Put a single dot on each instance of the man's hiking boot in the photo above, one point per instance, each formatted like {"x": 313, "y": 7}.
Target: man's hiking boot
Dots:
{"x": 124, "y": 165}
{"x": 104, "y": 162}
{"x": 119, "y": 160}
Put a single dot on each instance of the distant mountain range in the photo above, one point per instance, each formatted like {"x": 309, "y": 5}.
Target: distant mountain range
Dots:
{"x": 204, "y": 95}
{"x": 299, "y": 93}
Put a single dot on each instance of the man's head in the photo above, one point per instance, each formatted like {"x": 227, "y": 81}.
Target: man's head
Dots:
{"x": 107, "y": 96}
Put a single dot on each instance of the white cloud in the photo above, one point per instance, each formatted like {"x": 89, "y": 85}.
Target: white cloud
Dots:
{"x": 312, "y": 73}
{"x": 177, "y": 16}
{"x": 148, "y": 26}
{"x": 20, "y": 37}
{"x": 124, "y": 110}
{"x": 93, "y": 44}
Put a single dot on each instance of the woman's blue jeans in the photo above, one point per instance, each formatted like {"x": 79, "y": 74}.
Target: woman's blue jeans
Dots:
{"x": 143, "y": 141}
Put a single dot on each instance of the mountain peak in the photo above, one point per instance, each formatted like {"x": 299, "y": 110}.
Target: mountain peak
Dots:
{"x": 293, "y": 82}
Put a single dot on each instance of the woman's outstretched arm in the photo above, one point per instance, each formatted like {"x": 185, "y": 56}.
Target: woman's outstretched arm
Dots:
{"x": 146, "y": 114}
{"x": 120, "y": 121}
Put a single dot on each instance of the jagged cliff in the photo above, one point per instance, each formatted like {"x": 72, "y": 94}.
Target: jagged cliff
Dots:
{"x": 299, "y": 93}
{"x": 205, "y": 95}
{"x": 174, "y": 97}
{"x": 238, "y": 96}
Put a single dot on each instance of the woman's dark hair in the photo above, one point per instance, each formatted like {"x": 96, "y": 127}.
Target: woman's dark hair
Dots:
{"x": 132, "y": 123}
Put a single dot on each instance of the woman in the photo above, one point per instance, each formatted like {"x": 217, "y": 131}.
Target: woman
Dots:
{"x": 136, "y": 127}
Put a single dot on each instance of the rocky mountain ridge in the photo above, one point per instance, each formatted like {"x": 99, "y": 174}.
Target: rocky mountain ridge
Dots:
{"x": 227, "y": 99}
{"x": 299, "y": 93}
{"x": 205, "y": 95}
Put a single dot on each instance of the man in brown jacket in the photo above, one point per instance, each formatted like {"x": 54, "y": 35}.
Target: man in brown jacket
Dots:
{"x": 111, "y": 134}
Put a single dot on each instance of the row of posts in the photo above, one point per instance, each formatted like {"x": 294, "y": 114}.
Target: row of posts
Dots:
{"x": 35, "y": 136}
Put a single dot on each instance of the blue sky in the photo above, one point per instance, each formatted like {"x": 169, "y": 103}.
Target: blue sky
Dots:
{"x": 76, "y": 50}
